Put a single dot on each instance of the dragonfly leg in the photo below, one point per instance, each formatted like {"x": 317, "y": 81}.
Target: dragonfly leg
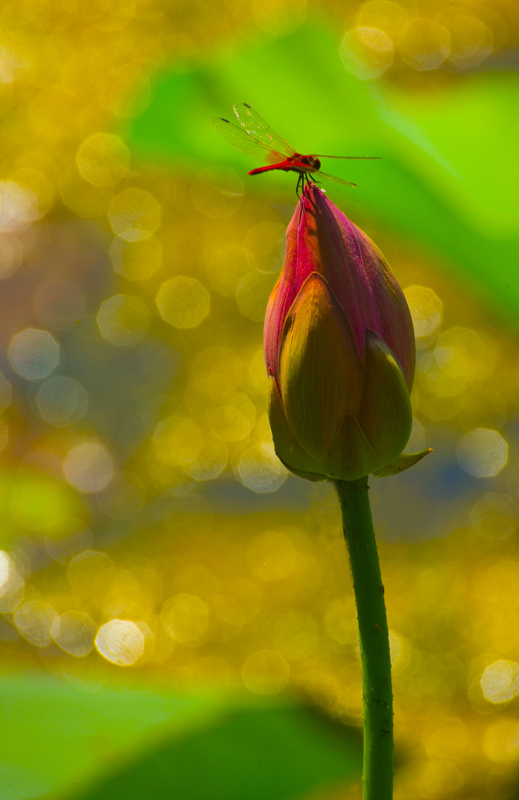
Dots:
{"x": 300, "y": 184}
{"x": 304, "y": 180}
{"x": 300, "y": 188}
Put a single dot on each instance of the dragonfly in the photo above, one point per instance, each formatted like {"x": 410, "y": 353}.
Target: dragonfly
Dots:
{"x": 257, "y": 139}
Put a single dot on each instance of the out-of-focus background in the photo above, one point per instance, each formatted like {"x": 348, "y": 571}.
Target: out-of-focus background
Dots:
{"x": 176, "y": 610}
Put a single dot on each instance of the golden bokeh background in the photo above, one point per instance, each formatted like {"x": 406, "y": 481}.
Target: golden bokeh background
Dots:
{"x": 150, "y": 538}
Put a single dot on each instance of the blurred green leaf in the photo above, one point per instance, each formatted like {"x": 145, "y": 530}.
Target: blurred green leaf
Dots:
{"x": 276, "y": 752}
{"x": 131, "y": 743}
{"x": 449, "y": 165}
{"x": 56, "y": 735}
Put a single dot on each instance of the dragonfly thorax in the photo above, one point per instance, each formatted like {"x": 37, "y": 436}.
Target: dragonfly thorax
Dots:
{"x": 309, "y": 161}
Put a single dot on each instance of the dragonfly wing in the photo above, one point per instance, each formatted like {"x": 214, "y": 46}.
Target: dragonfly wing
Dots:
{"x": 258, "y": 129}
{"x": 350, "y": 158}
{"x": 246, "y": 142}
{"x": 336, "y": 180}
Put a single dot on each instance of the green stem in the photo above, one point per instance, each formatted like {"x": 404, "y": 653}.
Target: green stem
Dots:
{"x": 374, "y": 639}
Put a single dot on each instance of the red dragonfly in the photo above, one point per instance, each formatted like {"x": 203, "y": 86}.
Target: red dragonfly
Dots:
{"x": 257, "y": 139}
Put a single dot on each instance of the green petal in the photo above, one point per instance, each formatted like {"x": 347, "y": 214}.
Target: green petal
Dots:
{"x": 385, "y": 415}
{"x": 400, "y": 464}
{"x": 351, "y": 456}
{"x": 287, "y": 448}
{"x": 320, "y": 374}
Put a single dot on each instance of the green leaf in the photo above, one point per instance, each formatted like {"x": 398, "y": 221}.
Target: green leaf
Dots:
{"x": 58, "y": 738}
{"x": 277, "y": 753}
{"x": 55, "y": 735}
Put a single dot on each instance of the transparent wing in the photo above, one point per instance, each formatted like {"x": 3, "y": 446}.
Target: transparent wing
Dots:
{"x": 246, "y": 142}
{"x": 349, "y": 158}
{"x": 257, "y": 128}
{"x": 336, "y": 180}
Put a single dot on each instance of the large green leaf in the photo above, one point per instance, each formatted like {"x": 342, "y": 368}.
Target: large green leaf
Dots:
{"x": 449, "y": 165}
{"x": 279, "y": 753}
{"x": 56, "y": 735}
{"x": 58, "y": 738}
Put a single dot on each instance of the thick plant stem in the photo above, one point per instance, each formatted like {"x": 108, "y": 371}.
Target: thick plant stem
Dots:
{"x": 374, "y": 639}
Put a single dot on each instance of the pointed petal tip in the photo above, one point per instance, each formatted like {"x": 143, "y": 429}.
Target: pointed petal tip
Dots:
{"x": 403, "y": 462}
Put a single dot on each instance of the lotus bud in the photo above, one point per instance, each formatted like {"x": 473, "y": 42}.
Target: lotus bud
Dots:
{"x": 339, "y": 349}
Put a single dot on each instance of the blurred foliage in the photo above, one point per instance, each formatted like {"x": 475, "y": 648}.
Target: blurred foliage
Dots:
{"x": 147, "y": 527}
{"x": 174, "y": 742}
